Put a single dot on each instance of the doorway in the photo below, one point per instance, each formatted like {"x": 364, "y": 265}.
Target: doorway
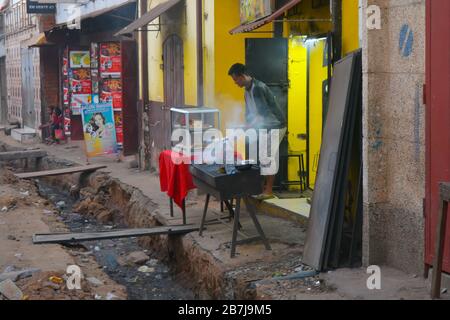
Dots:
{"x": 28, "y": 111}
{"x": 173, "y": 60}
{"x": 266, "y": 60}
{"x": 308, "y": 67}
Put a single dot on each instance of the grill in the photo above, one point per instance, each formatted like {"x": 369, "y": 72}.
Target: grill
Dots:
{"x": 226, "y": 184}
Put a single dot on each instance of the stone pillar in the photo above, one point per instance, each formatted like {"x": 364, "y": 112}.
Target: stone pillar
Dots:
{"x": 394, "y": 135}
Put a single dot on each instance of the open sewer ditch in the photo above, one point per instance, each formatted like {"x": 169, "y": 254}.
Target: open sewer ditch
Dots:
{"x": 152, "y": 280}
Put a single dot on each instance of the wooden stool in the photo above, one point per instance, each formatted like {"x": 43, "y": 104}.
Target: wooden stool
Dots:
{"x": 440, "y": 240}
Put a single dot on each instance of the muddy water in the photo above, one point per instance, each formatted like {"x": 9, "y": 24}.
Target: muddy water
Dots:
{"x": 158, "y": 284}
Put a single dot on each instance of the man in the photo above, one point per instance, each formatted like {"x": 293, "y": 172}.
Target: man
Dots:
{"x": 262, "y": 113}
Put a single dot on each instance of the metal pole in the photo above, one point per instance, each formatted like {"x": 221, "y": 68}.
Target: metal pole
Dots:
{"x": 144, "y": 157}
{"x": 200, "y": 83}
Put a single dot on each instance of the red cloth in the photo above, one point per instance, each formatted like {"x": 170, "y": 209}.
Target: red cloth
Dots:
{"x": 175, "y": 178}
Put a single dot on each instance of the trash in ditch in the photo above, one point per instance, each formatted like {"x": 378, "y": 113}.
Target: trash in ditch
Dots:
{"x": 61, "y": 205}
{"x": 145, "y": 269}
{"x": 298, "y": 275}
{"x": 95, "y": 282}
{"x": 111, "y": 296}
{"x": 56, "y": 280}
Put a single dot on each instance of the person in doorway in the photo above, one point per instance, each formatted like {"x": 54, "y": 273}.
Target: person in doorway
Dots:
{"x": 262, "y": 113}
{"x": 56, "y": 122}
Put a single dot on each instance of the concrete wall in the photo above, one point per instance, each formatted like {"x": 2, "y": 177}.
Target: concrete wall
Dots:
{"x": 394, "y": 136}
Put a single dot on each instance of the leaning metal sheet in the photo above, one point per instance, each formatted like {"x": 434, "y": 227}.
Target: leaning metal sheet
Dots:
{"x": 328, "y": 165}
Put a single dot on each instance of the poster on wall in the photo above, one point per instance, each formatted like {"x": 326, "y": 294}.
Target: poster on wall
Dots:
{"x": 112, "y": 93}
{"x": 66, "y": 98}
{"x": 119, "y": 126}
{"x": 80, "y": 59}
{"x": 252, "y": 10}
{"x": 99, "y": 130}
{"x": 94, "y": 55}
{"x": 78, "y": 101}
{"x": 81, "y": 81}
{"x": 95, "y": 81}
{"x": 110, "y": 59}
{"x": 65, "y": 68}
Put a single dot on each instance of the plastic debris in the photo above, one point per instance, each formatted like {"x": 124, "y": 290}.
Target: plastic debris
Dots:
{"x": 145, "y": 269}
{"x": 111, "y": 296}
{"x": 94, "y": 281}
{"x": 56, "y": 280}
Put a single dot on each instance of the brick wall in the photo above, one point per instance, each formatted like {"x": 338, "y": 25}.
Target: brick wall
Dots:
{"x": 50, "y": 78}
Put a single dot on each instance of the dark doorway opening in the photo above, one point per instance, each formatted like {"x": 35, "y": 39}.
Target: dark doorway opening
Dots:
{"x": 266, "y": 60}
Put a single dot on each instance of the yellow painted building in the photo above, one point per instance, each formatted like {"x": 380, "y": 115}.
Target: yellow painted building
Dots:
{"x": 307, "y": 64}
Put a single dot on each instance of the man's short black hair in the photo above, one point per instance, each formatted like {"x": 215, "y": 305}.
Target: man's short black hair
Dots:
{"x": 238, "y": 69}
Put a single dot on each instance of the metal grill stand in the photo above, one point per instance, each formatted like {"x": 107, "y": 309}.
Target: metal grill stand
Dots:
{"x": 236, "y": 225}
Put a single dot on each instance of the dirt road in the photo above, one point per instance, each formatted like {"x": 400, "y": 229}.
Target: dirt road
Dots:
{"x": 22, "y": 214}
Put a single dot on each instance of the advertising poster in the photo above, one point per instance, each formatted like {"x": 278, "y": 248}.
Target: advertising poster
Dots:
{"x": 110, "y": 59}
{"x": 81, "y": 81}
{"x": 94, "y": 55}
{"x": 99, "y": 130}
{"x": 95, "y": 81}
{"x": 65, "y": 68}
{"x": 66, "y": 99}
{"x": 112, "y": 93}
{"x": 80, "y": 59}
{"x": 252, "y": 10}
{"x": 78, "y": 101}
{"x": 119, "y": 126}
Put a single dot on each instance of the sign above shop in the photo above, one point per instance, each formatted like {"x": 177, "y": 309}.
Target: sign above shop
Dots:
{"x": 252, "y": 10}
{"x": 34, "y": 7}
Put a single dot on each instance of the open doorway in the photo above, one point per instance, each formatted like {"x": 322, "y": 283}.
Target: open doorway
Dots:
{"x": 3, "y": 102}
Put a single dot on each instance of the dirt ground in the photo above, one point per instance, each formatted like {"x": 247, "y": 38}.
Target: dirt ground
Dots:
{"x": 23, "y": 214}
{"x": 29, "y": 216}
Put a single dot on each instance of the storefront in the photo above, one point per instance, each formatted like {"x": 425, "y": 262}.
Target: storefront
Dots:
{"x": 96, "y": 67}
{"x": 307, "y": 37}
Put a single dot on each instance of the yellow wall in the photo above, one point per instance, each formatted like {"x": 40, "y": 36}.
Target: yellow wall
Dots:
{"x": 350, "y": 26}
{"x": 230, "y": 49}
{"x": 155, "y": 72}
{"x": 304, "y": 55}
{"x": 297, "y": 101}
{"x": 184, "y": 25}
{"x": 317, "y": 75}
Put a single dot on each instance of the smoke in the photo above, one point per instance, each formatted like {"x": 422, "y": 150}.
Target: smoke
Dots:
{"x": 233, "y": 114}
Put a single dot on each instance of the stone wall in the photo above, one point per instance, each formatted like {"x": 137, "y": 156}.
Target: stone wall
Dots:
{"x": 394, "y": 136}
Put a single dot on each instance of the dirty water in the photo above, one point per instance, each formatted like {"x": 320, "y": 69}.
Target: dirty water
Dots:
{"x": 156, "y": 283}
